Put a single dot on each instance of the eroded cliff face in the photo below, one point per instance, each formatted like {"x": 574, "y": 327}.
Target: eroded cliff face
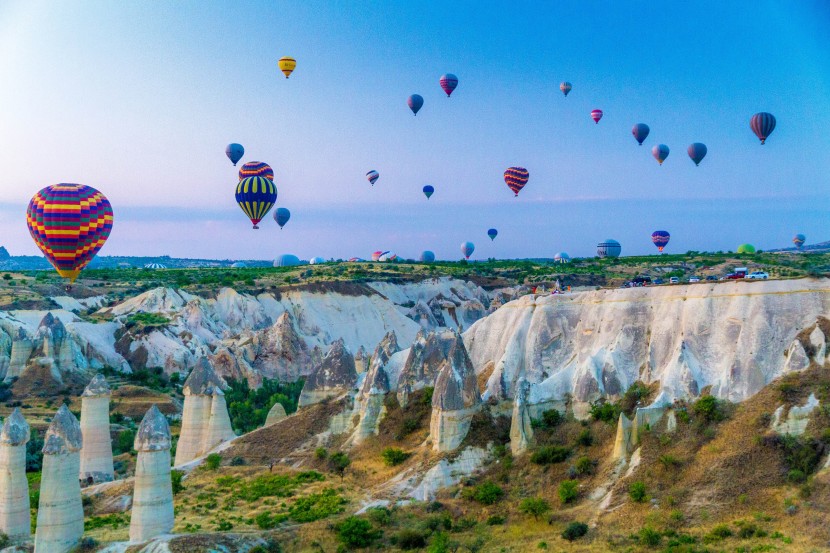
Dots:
{"x": 733, "y": 337}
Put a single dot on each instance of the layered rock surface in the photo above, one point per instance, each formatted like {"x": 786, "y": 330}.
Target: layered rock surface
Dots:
{"x": 335, "y": 376}
{"x": 455, "y": 400}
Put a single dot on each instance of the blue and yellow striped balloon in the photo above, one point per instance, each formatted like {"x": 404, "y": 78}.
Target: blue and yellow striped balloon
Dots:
{"x": 256, "y": 196}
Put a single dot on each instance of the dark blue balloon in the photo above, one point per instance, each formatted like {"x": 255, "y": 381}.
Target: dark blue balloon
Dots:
{"x": 697, "y": 152}
{"x": 427, "y": 256}
{"x": 281, "y": 216}
{"x": 492, "y": 233}
{"x": 428, "y": 191}
{"x": 234, "y": 152}
{"x": 415, "y": 102}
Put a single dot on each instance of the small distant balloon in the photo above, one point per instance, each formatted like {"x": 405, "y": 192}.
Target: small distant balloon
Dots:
{"x": 565, "y": 87}
{"x": 492, "y": 233}
{"x": 697, "y": 152}
{"x": 415, "y": 102}
{"x": 372, "y": 176}
{"x": 660, "y": 153}
{"x": 640, "y": 132}
{"x": 234, "y": 152}
{"x": 596, "y": 115}
{"x": 427, "y": 256}
{"x": 660, "y": 238}
{"x": 256, "y": 169}
{"x": 287, "y": 65}
{"x": 448, "y": 83}
{"x": 762, "y": 124}
{"x": 516, "y": 178}
{"x": 799, "y": 240}
{"x": 467, "y": 248}
{"x": 428, "y": 191}
{"x": 281, "y": 216}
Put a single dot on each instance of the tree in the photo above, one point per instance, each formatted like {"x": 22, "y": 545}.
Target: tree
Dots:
{"x": 339, "y": 462}
{"x": 535, "y": 506}
{"x": 357, "y": 532}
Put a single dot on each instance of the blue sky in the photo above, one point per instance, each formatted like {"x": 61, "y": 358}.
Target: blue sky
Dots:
{"x": 139, "y": 101}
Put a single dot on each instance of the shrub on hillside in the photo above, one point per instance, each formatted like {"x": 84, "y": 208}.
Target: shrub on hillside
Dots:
{"x": 709, "y": 409}
{"x": 649, "y": 536}
{"x": 535, "y": 506}
{"x": 317, "y": 505}
{"x": 549, "y": 419}
{"x": 393, "y": 456}
{"x": 605, "y": 411}
{"x": 574, "y": 531}
{"x": 213, "y": 461}
{"x": 248, "y": 408}
{"x": 549, "y": 454}
{"x": 356, "y": 532}
{"x": 408, "y": 539}
{"x": 486, "y": 493}
{"x": 637, "y": 491}
{"x": 568, "y": 491}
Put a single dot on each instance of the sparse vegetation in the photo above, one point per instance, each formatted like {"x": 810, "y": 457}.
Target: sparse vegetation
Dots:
{"x": 534, "y": 506}
{"x": 550, "y": 454}
{"x": 574, "y": 531}
{"x": 486, "y": 493}
{"x": 568, "y": 491}
{"x": 393, "y": 456}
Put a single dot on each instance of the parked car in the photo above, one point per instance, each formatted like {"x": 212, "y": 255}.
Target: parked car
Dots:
{"x": 641, "y": 281}
{"x": 674, "y": 280}
{"x": 735, "y": 276}
{"x": 658, "y": 281}
{"x": 694, "y": 279}
{"x": 711, "y": 277}
{"x": 758, "y": 275}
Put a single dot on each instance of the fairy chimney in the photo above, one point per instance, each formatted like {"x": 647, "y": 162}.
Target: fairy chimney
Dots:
{"x": 15, "y": 517}
{"x": 60, "y": 515}
{"x": 198, "y": 412}
{"x": 96, "y": 454}
{"x": 152, "y": 513}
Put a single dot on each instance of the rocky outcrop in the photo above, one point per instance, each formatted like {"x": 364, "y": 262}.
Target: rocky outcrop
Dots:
{"x": 15, "y": 516}
{"x": 361, "y": 360}
{"x": 521, "y": 428}
{"x": 796, "y": 419}
{"x": 727, "y": 336}
{"x": 275, "y": 415}
{"x": 152, "y": 512}
{"x": 455, "y": 400}
{"x": 229, "y": 366}
{"x": 645, "y": 418}
{"x": 335, "y": 376}
{"x": 60, "y": 515}
{"x": 204, "y": 416}
{"x": 280, "y": 352}
{"x": 96, "y": 453}
{"x": 423, "y": 315}
{"x": 426, "y": 356}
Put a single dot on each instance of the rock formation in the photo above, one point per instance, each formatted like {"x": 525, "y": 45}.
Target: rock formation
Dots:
{"x": 335, "y": 376}
{"x": 60, "y": 515}
{"x": 521, "y": 429}
{"x": 15, "y": 517}
{"x": 280, "y": 352}
{"x": 275, "y": 415}
{"x": 427, "y": 355}
{"x": 205, "y": 420}
{"x": 96, "y": 454}
{"x": 152, "y": 513}
{"x": 797, "y": 418}
{"x": 455, "y": 400}
{"x": 645, "y": 418}
{"x": 361, "y": 360}
{"x": 369, "y": 403}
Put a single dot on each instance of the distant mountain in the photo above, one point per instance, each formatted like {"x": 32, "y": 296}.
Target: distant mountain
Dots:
{"x": 4, "y": 254}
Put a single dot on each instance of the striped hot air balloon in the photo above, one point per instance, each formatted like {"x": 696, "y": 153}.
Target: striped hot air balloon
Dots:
{"x": 376, "y": 255}
{"x": 256, "y": 196}
{"x": 287, "y": 65}
{"x": 372, "y": 177}
{"x": 596, "y": 115}
{"x": 660, "y": 238}
{"x": 609, "y": 248}
{"x": 467, "y": 248}
{"x": 565, "y": 87}
{"x": 799, "y": 240}
{"x": 762, "y": 124}
{"x": 516, "y": 178}
{"x": 256, "y": 169}
{"x": 448, "y": 83}
{"x": 69, "y": 223}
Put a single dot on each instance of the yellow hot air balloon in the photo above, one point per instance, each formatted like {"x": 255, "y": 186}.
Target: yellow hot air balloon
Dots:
{"x": 287, "y": 65}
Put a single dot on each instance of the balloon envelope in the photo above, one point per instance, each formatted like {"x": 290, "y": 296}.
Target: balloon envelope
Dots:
{"x": 562, "y": 257}
{"x": 448, "y": 83}
{"x": 286, "y": 260}
{"x": 762, "y": 124}
{"x": 70, "y": 224}
{"x": 697, "y": 152}
{"x": 281, "y": 216}
{"x": 427, "y": 256}
{"x": 428, "y": 191}
{"x": 565, "y": 87}
{"x": 467, "y": 248}
{"x": 256, "y": 169}
{"x": 256, "y": 196}
{"x": 516, "y": 178}
{"x": 660, "y": 238}
{"x": 492, "y": 233}
{"x": 234, "y": 152}
{"x": 746, "y": 248}
{"x": 660, "y": 153}
{"x": 640, "y": 132}
{"x": 316, "y": 261}
{"x": 596, "y": 115}
{"x": 287, "y": 65}
{"x": 376, "y": 255}
{"x": 372, "y": 176}
{"x": 609, "y": 248}
{"x": 799, "y": 240}
{"x": 415, "y": 102}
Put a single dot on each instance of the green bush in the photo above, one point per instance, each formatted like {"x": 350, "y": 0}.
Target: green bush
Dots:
{"x": 568, "y": 491}
{"x": 356, "y": 532}
{"x": 123, "y": 442}
{"x": 176, "y": 480}
{"x": 321, "y": 453}
{"x": 317, "y": 506}
{"x": 709, "y": 409}
{"x": 718, "y": 533}
{"x": 585, "y": 438}
{"x": 267, "y": 521}
{"x": 149, "y": 320}
{"x": 213, "y": 461}
{"x": 441, "y": 543}
{"x": 393, "y": 456}
{"x": 339, "y": 462}
{"x": 649, "y": 536}
{"x": 486, "y": 493}
{"x": 410, "y": 539}
{"x": 637, "y": 491}
{"x": 549, "y": 454}
{"x": 605, "y": 411}
{"x": 535, "y": 506}
{"x": 550, "y": 419}
{"x": 496, "y": 520}
{"x": 574, "y": 531}
{"x": 248, "y": 408}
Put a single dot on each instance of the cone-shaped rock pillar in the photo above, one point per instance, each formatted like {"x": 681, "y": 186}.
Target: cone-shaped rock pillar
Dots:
{"x": 199, "y": 419}
{"x": 455, "y": 400}
{"x": 60, "y": 515}
{"x": 521, "y": 429}
{"x": 15, "y": 518}
{"x": 219, "y": 426}
{"x": 153, "y": 493}
{"x": 96, "y": 454}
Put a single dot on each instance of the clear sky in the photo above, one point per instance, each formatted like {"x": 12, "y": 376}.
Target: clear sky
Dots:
{"x": 139, "y": 100}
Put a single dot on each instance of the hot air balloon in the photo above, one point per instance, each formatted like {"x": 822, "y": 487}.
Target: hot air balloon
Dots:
{"x": 239, "y": 265}
{"x": 762, "y": 124}
{"x": 154, "y": 266}
{"x": 428, "y": 191}
{"x": 415, "y": 102}
{"x": 467, "y": 248}
{"x": 746, "y": 248}
{"x": 286, "y": 260}
{"x": 660, "y": 238}
{"x": 376, "y": 255}
{"x": 69, "y": 223}
{"x": 660, "y": 153}
{"x": 427, "y": 256}
{"x": 256, "y": 197}
{"x": 234, "y": 152}
{"x": 448, "y": 82}
{"x": 256, "y": 169}
{"x": 316, "y": 261}
{"x": 516, "y": 178}
{"x": 287, "y": 65}
{"x": 565, "y": 87}
{"x": 561, "y": 257}
{"x": 281, "y": 216}
{"x": 596, "y": 115}
{"x": 372, "y": 176}
{"x": 799, "y": 240}
{"x": 609, "y": 248}
{"x": 697, "y": 152}
{"x": 492, "y": 233}
{"x": 640, "y": 132}
{"x": 387, "y": 257}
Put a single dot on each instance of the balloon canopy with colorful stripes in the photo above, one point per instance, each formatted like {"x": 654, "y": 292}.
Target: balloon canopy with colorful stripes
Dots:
{"x": 256, "y": 196}
{"x": 256, "y": 169}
